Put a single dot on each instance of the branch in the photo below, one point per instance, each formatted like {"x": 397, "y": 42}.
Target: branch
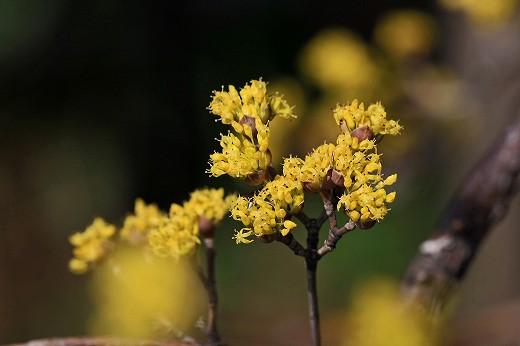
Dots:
{"x": 480, "y": 203}
{"x": 335, "y": 233}
{"x": 292, "y": 244}
{"x": 101, "y": 341}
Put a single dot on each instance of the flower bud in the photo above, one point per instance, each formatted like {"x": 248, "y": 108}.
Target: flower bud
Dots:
{"x": 248, "y": 120}
{"x": 365, "y": 225}
{"x": 362, "y": 133}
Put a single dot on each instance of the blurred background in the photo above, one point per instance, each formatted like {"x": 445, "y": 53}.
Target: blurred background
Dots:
{"x": 105, "y": 101}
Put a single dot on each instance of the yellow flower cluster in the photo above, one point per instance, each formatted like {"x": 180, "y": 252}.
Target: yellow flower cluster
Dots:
{"x": 178, "y": 234}
{"x": 211, "y": 204}
{"x": 249, "y": 111}
{"x": 368, "y": 201}
{"x": 352, "y": 164}
{"x": 137, "y": 226}
{"x": 91, "y": 245}
{"x": 354, "y": 115}
{"x": 315, "y": 167}
{"x": 266, "y": 212}
{"x": 241, "y": 157}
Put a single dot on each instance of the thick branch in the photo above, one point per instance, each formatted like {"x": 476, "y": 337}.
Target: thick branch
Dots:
{"x": 101, "y": 341}
{"x": 480, "y": 203}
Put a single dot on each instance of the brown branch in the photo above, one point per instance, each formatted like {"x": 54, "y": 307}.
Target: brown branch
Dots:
{"x": 480, "y": 203}
{"x": 292, "y": 244}
{"x": 335, "y": 233}
{"x": 211, "y": 288}
{"x": 102, "y": 341}
{"x": 334, "y": 236}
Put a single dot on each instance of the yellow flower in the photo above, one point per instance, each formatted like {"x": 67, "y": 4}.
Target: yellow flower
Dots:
{"x": 316, "y": 165}
{"x": 292, "y": 167}
{"x": 248, "y": 112}
{"x": 211, "y": 204}
{"x": 177, "y": 235}
{"x": 241, "y": 236}
{"x": 368, "y": 202}
{"x": 145, "y": 218}
{"x": 355, "y": 161}
{"x": 252, "y": 101}
{"x": 354, "y": 115}
{"x": 240, "y": 158}
{"x": 91, "y": 245}
{"x": 265, "y": 213}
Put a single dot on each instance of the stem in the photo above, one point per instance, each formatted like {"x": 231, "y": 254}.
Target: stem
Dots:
{"x": 312, "y": 298}
{"x": 311, "y": 263}
{"x": 211, "y": 288}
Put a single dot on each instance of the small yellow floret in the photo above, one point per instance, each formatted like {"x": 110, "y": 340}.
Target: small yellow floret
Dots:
{"x": 241, "y": 236}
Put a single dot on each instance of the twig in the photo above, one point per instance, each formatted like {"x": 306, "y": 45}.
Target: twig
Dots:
{"x": 480, "y": 203}
{"x": 334, "y": 236}
{"x": 210, "y": 328}
{"x": 335, "y": 233}
{"x": 211, "y": 287}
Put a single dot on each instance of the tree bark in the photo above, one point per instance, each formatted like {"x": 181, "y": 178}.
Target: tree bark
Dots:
{"x": 481, "y": 201}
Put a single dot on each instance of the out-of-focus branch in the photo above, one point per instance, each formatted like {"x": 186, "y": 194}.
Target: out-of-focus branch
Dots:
{"x": 101, "y": 341}
{"x": 480, "y": 203}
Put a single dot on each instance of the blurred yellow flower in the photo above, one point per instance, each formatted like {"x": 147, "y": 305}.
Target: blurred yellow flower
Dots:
{"x": 141, "y": 296}
{"x": 338, "y": 59}
{"x": 483, "y": 11}
{"x": 406, "y": 33}
{"x": 377, "y": 317}
{"x": 91, "y": 245}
